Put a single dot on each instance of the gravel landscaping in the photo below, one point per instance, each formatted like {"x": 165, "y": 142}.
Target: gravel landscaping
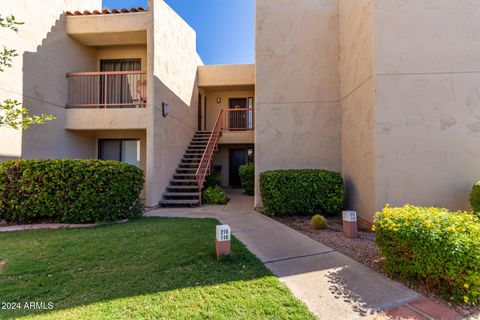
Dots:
{"x": 365, "y": 251}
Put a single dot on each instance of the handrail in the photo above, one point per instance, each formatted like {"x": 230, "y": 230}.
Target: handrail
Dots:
{"x": 205, "y": 163}
{"x": 102, "y": 73}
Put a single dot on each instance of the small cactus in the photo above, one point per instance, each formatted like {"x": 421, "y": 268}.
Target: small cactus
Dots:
{"x": 319, "y": 222}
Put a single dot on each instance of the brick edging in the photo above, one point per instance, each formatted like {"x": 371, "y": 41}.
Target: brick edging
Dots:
{"x": 53, "y": 226}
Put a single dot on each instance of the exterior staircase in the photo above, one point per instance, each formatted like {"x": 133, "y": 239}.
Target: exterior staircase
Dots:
{"x": 184, "y": 190}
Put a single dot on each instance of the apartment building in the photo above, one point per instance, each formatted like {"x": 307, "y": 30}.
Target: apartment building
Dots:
{"x": 385, "y": 92}
{"x": 126, "y": 85}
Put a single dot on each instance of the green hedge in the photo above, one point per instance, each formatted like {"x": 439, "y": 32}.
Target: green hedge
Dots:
{"x": 436, "y": 246}
{"x": 69, "y": 191}
{"x": 475, "y": 198}
{"x": 301, "y": 192}
{"x": 247, "y": 176}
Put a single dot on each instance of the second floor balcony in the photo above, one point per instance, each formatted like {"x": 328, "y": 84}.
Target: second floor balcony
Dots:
{"x": 238, "y": 119}
{"x": 111, "y": 89}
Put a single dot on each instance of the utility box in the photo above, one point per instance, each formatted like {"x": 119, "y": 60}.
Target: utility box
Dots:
{"x": 350, "y": 228}
{"x": 223, "y": 237}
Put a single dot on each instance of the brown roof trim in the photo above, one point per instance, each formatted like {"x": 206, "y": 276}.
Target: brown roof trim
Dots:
{"x": 105, "y": 11}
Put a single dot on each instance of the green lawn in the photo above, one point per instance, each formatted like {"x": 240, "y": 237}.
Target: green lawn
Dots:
{"x": 149, "y": 268}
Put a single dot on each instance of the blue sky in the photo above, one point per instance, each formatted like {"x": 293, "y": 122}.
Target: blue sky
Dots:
{"x": 225, "y": 28}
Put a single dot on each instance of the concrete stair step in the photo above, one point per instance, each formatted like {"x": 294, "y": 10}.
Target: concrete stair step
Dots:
{"x": 184, "y": 175}
{"x": 181, "y": 181}
{"x": 180, "y": 202}
{"x": 181, "y": 194}
{"x": 182, "y": 187}
{"x": 187, "y": 170}
{"x": 188, "y": 165}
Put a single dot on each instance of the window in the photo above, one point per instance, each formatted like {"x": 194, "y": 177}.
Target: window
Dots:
{"x": 127, "y": 151}
{"x": 120, "y": 65}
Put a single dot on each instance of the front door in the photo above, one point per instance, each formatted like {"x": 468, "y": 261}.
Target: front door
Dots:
{"x": 237, "y": 119}
{"x": 238, "y": 157}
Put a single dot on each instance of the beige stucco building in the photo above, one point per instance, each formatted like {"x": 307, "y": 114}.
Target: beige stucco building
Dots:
{"x": 385, "y": 92}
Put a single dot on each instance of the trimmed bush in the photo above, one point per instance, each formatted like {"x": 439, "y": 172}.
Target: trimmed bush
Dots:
{"x": 475, "y": 198}
{"x": 433, "y": 245}
{"x": 319, "y": 222}
{"x": 301, "y": 192}
{"x": 247, "y": 177}
{"x": 69, "y": 191}
{"x": 215, "y": 195}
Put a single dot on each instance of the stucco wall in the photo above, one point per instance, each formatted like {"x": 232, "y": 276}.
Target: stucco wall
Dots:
{"x": 298, "y": 111}
{"x": 226, "y": 75}
{"x": 356, "y": 20}
{"x": 427, "y": 114}
{"x": 175, "y": 61}
{"x": 37, "y": 77}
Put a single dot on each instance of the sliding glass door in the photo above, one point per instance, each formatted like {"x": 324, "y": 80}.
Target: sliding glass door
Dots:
{"x": 127, "y": 151}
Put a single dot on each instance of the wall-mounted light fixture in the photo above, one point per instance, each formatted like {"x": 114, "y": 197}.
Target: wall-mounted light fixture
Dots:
{"x": 219, "y": 100}
{"x": 164, "y": 109}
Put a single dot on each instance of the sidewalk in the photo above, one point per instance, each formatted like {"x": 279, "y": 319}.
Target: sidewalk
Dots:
{"x": 332, "y": 285}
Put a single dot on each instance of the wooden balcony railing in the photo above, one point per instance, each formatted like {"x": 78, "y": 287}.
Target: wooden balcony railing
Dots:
{"x": 238, "y": 119}
{"x": 113, "y": 89}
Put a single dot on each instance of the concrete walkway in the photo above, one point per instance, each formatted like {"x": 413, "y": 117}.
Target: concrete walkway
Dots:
{"x": 332, "y": 285}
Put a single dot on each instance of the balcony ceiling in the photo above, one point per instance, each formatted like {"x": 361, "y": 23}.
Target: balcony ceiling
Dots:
{"x": 225, "y": 76}
{"x": 109, "y": 30}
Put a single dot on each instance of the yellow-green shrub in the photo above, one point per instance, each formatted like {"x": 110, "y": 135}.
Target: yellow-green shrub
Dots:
{"x": 215, "y": 195}
{"x": 434, "y": 245}
{"x": 319, "y": 222}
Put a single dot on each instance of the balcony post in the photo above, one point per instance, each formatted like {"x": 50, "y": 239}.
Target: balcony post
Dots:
{"x": 105, "y": 91}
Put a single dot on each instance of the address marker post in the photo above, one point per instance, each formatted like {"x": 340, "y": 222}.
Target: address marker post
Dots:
{"x": 350, "y": 229}
{"x": 223, "y": 235}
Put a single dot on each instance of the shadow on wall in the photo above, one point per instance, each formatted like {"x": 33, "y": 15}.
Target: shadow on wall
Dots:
{"x": 44, "y": 91}
{"x": 351, "y": 193}
{"x": 171, "y": 134}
